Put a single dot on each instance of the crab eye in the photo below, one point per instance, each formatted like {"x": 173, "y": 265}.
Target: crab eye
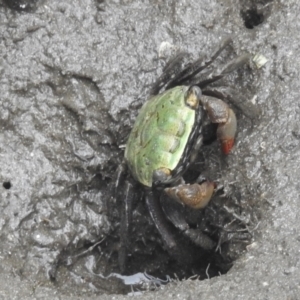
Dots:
{"x": 196, "y": 90}
{"x": 161, "y": 175}
{"x": 192, "y": 96}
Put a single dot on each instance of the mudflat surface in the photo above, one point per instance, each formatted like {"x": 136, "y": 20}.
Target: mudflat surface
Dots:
{"x": 69, "y": 72}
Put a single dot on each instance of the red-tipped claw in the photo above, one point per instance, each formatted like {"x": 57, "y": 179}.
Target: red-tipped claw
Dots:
{"x": 227, "y": 145}
{"x": 226, "y": 132}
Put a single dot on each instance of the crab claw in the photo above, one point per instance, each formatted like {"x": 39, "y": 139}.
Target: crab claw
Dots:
{"x": 193, "y": 195}
{"x": 219, "y": 112}
{"x": 226, "y": 132}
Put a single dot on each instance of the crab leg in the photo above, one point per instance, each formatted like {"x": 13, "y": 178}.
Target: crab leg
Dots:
{"x": 195, "y": 234}
{"x": 230, "y": 95}
{"x": 175, "y": 73}
{"x": 171, "y": 69}
{"x": 125, "y": 225}
{"x": 198, "y": 66}
{"x": 220, "y": 73}
{"x": 159, "y": 219}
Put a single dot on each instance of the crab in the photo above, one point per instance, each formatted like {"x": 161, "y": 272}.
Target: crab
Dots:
{"x": 165, "y": 140}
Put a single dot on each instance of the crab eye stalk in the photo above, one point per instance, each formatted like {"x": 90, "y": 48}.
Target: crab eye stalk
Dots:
{"x": 192, "y": 96}
{"x": 161, "y": 175}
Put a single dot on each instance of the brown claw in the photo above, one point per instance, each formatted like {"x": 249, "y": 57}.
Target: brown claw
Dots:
{"x": 193, "y": 195}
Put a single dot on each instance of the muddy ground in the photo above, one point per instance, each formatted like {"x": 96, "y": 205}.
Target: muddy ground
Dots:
{"x": 73, "y": 74}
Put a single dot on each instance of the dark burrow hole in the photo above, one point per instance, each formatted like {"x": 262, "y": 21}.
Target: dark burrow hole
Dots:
{"x": 6, "y": 185}
{"x": 149, "y": 264}
{"x": 220, "y": 221}
{"x": 255, "y": 12}
{"x": 21, "y": 5}
{"x": 252, "y": 18}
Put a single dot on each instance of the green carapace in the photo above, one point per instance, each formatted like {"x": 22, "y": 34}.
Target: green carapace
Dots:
{"x": 160, "y": 134}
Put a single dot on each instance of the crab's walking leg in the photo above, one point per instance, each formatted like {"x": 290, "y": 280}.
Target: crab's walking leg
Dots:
{"x": 234, "y": 64}
{"x": 231, "y": 95}
{"x": 175, "y": 73}
{"x": 126, "y": 199}
{"x": 185, "y": 255}
{"x": 196, "y": 235}
{"x": 172, "y": 68}
{"x": 158, "y": 217}
{"x": 126, "y": 218}
{"x": 198, "y": 66}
